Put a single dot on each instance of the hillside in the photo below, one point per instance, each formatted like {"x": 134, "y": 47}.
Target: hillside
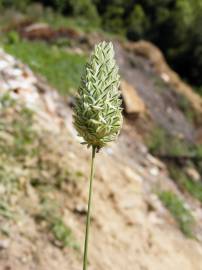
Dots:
{"x": 143, "y": 218}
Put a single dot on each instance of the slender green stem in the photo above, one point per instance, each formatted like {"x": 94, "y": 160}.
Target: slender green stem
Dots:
{"x": 85, "y": 257}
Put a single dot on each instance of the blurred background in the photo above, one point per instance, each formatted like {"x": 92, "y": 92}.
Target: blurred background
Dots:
{"x": 148, "y": 185}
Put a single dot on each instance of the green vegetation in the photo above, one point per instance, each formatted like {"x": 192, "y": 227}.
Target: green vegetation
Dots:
{"x": 162, "y": 144}
{"x": 51, "y": 214}
{"x": 185, "y": 183}
{"x": 84, "y": 9}
{"x": 185, "y": 106}
{"x": 5, "y": 210}
{"x": 17, "y": 136}
{"x": 157, "y": 143}
{"x": 197, "y": 151}
{"x": 160, "y": 85}
{"x": 61, "y": 68}
{"x": 174, "y": 25}
{"x": 16, "y": 141}
{"x": 81, "y": 13}
{"x": 56, "y": 21}
{"x": 181, "y": 214}
{"x": 27, "y": 158}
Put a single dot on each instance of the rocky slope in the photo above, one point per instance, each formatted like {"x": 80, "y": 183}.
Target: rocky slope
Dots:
{"x": 131, "y": 229}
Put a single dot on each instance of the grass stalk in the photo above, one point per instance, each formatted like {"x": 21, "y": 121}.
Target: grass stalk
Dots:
{"x": 85, "y": 257}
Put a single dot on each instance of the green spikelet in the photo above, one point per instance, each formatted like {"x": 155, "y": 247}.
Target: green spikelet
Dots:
{"x": 97, "y": 112}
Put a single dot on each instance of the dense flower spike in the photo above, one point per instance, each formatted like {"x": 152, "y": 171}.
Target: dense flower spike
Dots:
{"x": 97, "y": 112}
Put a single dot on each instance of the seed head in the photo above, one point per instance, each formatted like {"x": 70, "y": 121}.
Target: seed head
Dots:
{"x": 97, "y": 112}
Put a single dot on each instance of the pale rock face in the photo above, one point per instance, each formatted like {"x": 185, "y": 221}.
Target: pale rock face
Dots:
{"x": 17, "y": 78}
{"x": 134, "y": 105}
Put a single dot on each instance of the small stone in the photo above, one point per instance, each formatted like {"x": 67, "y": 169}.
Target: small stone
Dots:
{"x": 109, "y": 150}
{"x": 154, "y": 219}
{"x": 154, "y": 171}
{"x": 165, "y": 77}
{"x": 156, "y": 162}
{"x": 3, "y": 64}
{"x": 193, "y": 174}
{"x": 4, "y": 243}
{"x": 154, "y": 204}
{"x": 132, "y": 175}
{"x": 80, "y": 209}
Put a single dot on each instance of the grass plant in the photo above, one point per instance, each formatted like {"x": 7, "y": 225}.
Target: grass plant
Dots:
{"x": 97, "y": 113}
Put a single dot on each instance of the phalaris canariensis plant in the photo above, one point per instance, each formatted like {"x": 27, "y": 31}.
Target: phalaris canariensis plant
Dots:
{"x": 97, "y": 111}
{"x": 97, "y": 115}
